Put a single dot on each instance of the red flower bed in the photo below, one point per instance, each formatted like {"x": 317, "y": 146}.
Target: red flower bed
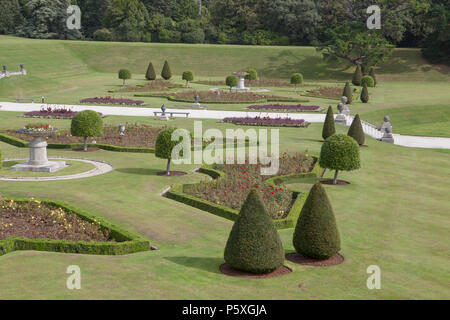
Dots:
{"x": 50, "y": 112}
{"x": 267, "y": 121}
{"x": 233, "y": 190}
{"x": 111, "y": 100}
{"x": 227, "y": 96}
{"x": 282, "y": 107}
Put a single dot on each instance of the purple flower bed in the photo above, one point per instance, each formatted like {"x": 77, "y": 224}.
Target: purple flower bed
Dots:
{"x": 52, "y": 112}
{"x": 111, "y": 100}
{"x": 266, "y": 121}
{"x": 297, "y": 107}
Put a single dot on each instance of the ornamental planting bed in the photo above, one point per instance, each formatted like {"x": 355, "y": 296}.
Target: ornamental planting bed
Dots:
{"x": 232, "y": 188}
{"x": 325, "y": 92}
{"x": 37, "y": 220}
{"x": 267, "y": 121}
{"x": 248, "y": 83}
{"x": 112, "y": 100}
{"x": 52, "y": 112}
{"x": 155, "y": 85}
{"x": 136, "y": 135}
{"x": 284, "y": 107}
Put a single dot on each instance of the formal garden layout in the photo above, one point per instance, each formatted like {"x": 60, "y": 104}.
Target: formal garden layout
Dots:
{"x": 249, "y": 162}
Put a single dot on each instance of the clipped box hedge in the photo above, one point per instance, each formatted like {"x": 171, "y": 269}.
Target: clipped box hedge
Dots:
{"x": 125, "y": 242}
{"x": 177, "y": 193}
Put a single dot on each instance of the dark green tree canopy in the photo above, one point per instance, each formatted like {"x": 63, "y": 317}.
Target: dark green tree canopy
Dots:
{"x": 340, "y": 152}
{"x": 87, "y": 123}
{"x": 150, "y": 74}
{"x": 164, "y": 144}
{"x": 297, "y": 78}
{"x": 316, "y": 234}
{"x": 166, "y": 73}
{"x": 254, "y": 244}
{"x": 231, "y": 81}
{"x": 357, "y": 76}
{"x": 10, "y": 16}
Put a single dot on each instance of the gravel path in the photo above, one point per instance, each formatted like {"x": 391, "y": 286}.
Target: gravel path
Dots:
{"x": 100, "y": 168}
{"x": 406, "y": 141}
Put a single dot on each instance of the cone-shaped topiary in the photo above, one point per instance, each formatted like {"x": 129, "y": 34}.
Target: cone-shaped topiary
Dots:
{"x": 86, "y": 124}
{"x": 348, "y": 92}
{"x": 357, "y": 76}
{"x": 166, "y": 73}
{"x": 356, "y": 131}
{"x": 340, "y": 152}
{"x": 365, "y": 94}
{"x": 316, "y": 234}
{"x": 151, "y": 74}
{"x": 254, "y": 244}
{"x": 372, "y": 74}
{"x": 329, "y": 127}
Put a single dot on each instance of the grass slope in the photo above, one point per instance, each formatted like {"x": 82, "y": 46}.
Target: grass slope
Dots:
{"x": 394, "y": 215}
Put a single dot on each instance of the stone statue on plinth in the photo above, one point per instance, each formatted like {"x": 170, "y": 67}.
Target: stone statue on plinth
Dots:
{"x": 386, "y": 128}
{"x": 344, "y": 111}
{"x": 196, "y": 101}
{"x": 164, "y": 116}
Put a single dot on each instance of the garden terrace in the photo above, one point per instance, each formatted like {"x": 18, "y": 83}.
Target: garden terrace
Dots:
{"x": 111, "y": 100}
{"x": 224, "y": 97}
{"x": 52, "y": 113}
{"x": 248, "y": 83}
{"x": 232, "y": 188}
{"x": 281, "y": 107}
{"x": 155, "y": 85}
{"x": 267, "y": 121}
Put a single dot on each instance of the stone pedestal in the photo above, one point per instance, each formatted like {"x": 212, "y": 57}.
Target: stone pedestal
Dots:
{"x": 241, "y": 82}
{"x": 341, "y": 119}
{"x": 388, "y": 138}
{"x": 38, "y": 161}
{"x": 164, "y": 118}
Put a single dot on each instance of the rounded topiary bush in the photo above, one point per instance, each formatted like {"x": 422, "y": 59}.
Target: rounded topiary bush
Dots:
{"x": 340, "y": 153}
{"x": 231, "y": 81}
{"x": 87, "y": 124}
{"x": 166, "y": 73}
{"x": 296, "y": 79}
{"x": 368, "y": 81}
{"x": 164, "y": 146}
{"x": 252, "y": 74}
{"x": 254, "y": 244}
{"x": 124, "y": 74}
{"x": 356, "y": 131}
{"x": 329, "y": 127}
{"x": 316, "y": 234}
{"x": 188, "y": 76}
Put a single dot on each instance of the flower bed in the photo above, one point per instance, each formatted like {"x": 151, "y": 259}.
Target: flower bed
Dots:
{"x": 111, "y": 100}
{"x": 138, "y": 136}
{"x": 50, "y": 112}
{"x": 231, "y": 189}
{"x": 37, "y": 127}
{"x": 248, "y": 83}
{"x": 29, "y": 224}
{"x": 326, "y": 92}
{"x": 281, "y": 107}
{"x": 155, "y": 85}
{"x": 267, "y": 121}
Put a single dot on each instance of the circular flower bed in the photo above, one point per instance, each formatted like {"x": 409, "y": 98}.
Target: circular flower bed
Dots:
{"x": 37, "y": 127}
{"x": 233, "y": 190}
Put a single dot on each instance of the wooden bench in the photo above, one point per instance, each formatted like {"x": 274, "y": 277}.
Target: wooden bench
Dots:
{"x": 172, "y": 113}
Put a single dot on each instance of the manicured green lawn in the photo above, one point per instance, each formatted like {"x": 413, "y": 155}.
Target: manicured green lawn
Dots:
{"x": 394, "y": 215}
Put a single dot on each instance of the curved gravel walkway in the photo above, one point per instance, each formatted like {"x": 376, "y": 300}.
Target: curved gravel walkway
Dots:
{"x": 100, "y": 168}
{"x": 402, "y": 140}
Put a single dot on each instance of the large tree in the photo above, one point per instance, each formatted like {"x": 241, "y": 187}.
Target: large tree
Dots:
{"x": 10, "y": 16}
{"x": 93, "y": 12}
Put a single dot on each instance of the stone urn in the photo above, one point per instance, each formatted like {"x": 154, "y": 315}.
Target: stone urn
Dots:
{"x": 38, "y": 161}
{"x": 241, "y": 81}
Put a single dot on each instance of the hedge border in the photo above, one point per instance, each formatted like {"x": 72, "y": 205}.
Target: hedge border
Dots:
{"x": 177, "y": 193}
{"x": 128, "y": 242}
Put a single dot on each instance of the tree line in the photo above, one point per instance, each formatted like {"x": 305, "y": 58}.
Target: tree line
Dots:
{"x": 337, "y": 28}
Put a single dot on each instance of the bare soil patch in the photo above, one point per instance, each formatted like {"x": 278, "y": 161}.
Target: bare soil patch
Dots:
{"x": 303, "y": 260}
{"x": 339, "y": 182}
{"x": 227, "y": 270}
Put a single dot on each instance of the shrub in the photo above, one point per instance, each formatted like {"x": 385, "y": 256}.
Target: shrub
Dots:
{"x": 222, "y": 38}
{"x": 231, "y": 81}
{"x": 166, "y": 73}
{"x": 103, "y": 35}
{"x": 374, "y": 77}
{"x": 348, "y": 92}
{"x": 124, "y": 74}
{"x": 357, "y": 76}
{"x": 195, "y": 36}
{"x": 164, "y": 146}
{"x": 252, "y": 74}
{"x": 296, "y": 79}
{"x": 356, "y": 131}
{"x": 163, "y": 35}
{"x": 340, "y": 152}
{"x": 87, "y": 124}
{"x": 150, "y": 74}
{"x": 254, "y": 244}
{"x": 316, "y": 234}
{"x": 188, "y": 75}
{"x": 329, "y": 127}
{"x": 367, "y": 80}
{"x": 365, "y": 94}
